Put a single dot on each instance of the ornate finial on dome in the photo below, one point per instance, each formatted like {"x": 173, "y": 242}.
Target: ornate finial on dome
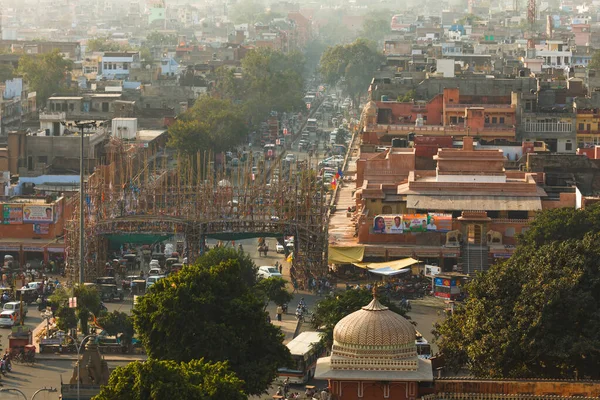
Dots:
{"x": 375, "y": 305}
{"x": 374, "y": 291}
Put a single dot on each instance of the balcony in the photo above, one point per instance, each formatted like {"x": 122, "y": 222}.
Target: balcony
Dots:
{"x": 548, "y": 127}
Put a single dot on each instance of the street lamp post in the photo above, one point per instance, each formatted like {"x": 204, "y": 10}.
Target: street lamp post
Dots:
{"x": 78, "y": 347}
{"x": 82, "y": 125}
{"x": 44, "y": 389}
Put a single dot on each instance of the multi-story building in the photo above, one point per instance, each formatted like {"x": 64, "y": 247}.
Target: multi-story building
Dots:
{"x": 118, "y": 65}
{"x": 555, "y": 53}
{"x": 447, "y": 114}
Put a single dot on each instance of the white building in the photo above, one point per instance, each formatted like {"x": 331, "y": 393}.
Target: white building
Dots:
{"x": 117, "y": 65}
{"x": 555, "y": 54}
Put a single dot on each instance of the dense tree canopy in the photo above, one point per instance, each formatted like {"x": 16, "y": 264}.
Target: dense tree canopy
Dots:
{"x": 105, "y": 44}
{"x": 6, "y": 72}
{"x": 118, "y": 324}
{"x": 45, "y": 73}
{"x": 272, "y": 81}
{"x": 158, "y": 380}
{"x": 210, "y": 125}
{"x": 535, "y": 315}
{"x": 273, "y": 289}
{"x": 212, "y": 312}
{"x": 352, "y": 64}
{"x": 561, "y": 224}
{"x": 331, "y": 310}
{"x": 595, "y": 61}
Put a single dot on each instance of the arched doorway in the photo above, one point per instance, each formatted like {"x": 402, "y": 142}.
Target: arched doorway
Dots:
{"x": 474, "y": 235}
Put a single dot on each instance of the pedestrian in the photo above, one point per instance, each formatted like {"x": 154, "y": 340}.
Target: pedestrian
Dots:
{"x": 268, "y": 319}
{"x": 279, "y": 313}
{"x": 281, "y": 268}
{"x": 295, "y": 284}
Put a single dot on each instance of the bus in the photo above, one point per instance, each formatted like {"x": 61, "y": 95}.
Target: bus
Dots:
{"x": 305, "y": 352}
{"x": 312, "y": 124}
{"x": 423, "y": 346}
{"x": 269, "y": 151}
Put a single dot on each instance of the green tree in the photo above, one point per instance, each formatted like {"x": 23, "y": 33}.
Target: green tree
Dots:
{"x": 7, "y": 72}
{"x": 226, "y": 85}
{"x": 536, "y": 315}
{"x": 273, "y": 289}
{"x": 212, "y": 313}
{"x": 45, "y": 73}
{"x": 273, "y": 81}
{"x": 118, "y": 324}
{"x": 88, "y": 304}
{"x": 595, "y": 61}
{"x": 332, "y": 309}
{"x": 105, "y": 44}
{"x": 146, "y": 57}
{"x": 216, "y": 256}
{"x": 160, "y": 39}
{"x": 561, "y": 224}
{"x": 408, "y": 96}
{"x": 376, "y": 28}
{"x": 157, "y": 380}
{"x": 210, "y": 125}
{"x": 353, "y": 65}
{"x": 66, "y": 318}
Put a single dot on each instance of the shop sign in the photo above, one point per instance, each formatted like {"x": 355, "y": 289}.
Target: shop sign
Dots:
{"x": 56, "y": 250}
{"x": 442, "y": 295}
{"x": 431, "y": 270}
{"x": 33, "y": 248}
{"x": 50, "y": 341}
{"x": 10, "y": 248}
{"x": 446, "y": 282}
{"x": 450, "y": 255}
{"x": 502, "y": 255}
{"x": 41, "y": 229}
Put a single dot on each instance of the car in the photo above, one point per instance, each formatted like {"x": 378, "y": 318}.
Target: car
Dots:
{"x": 279, "y": 249}
{"x": 290, "y": 157}
{"x": 15, "y": 306}
{"x": 155, "y": 271}
{"x": 152, "y": 280}
{"x": 268, "y": 271}
{"x": 9, "y": 318}
{"x": 154, "y": 264}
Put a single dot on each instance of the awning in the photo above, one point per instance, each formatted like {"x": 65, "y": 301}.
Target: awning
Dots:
{"x": 395, "y": 265}
{"x": 346, "y": 255}
{"x": 490, "y": 203}
{"x": 387, "y": 271}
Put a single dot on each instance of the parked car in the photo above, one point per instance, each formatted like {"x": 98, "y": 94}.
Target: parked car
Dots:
{"x": 268, "y": 272}
{"x": 15, "y": 306}
{"x": 279, "y": 249}
{"x": 9, "y": 318}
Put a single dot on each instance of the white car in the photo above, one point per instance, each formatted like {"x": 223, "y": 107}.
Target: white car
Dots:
{"x": 15, "y": 306}
{"x": 290, "y": 157}
{"x": 268, "y": 272}
{"x": 155, "y": 271}
{"x": 9, "y": 318}
{"x": 279, "y": 249}
{"x": 152, "y": 280}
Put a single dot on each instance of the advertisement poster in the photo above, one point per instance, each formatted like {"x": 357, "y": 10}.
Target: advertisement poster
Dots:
{"x": 41, "y": 229}
{"x": 33, "y": 214}
{"x": 388, "y": 224}
{"x": 415, "y": 222}
{"x": 439, "y": 222}
{"x": 12, "y": 214}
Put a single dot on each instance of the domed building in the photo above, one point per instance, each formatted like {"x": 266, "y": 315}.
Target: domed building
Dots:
{"x": 374, "y": 356}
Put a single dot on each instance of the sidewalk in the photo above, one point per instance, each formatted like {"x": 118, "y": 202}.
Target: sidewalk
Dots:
{"x": 106, "y": 357}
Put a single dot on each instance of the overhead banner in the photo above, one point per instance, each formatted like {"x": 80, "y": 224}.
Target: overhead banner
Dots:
{"x": 12, "y": 214}
{"x": 33, "y": 214}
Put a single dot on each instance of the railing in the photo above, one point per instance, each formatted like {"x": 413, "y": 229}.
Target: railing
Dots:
{"x": 547, "y": 127}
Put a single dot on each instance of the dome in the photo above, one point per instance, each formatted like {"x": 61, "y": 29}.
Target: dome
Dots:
{"x": 374, "y": 338}
{"x": 370, "y": 109}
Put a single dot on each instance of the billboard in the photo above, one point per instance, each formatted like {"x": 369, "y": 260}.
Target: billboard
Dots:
{"x": 41, "y": 229}
{"x": 33, "y": 214}
{"x": 12, "y": 214}
{"x": 439, "y": 222}
{"x": 388, "y": 224}
{"x": 414, "y": 222}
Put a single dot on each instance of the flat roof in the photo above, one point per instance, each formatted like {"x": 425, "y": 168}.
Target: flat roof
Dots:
{"x": 65, "y": 98}
{"x": 149, "y": 135}
{"x": 492, "y": 203}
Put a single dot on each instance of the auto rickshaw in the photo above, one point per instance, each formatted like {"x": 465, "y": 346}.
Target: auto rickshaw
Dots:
{"x": 176, "y": 268}
{"x": 138, "y": 286}
{"x": 131, "y": 261}
{"x": 170, "y": 262}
